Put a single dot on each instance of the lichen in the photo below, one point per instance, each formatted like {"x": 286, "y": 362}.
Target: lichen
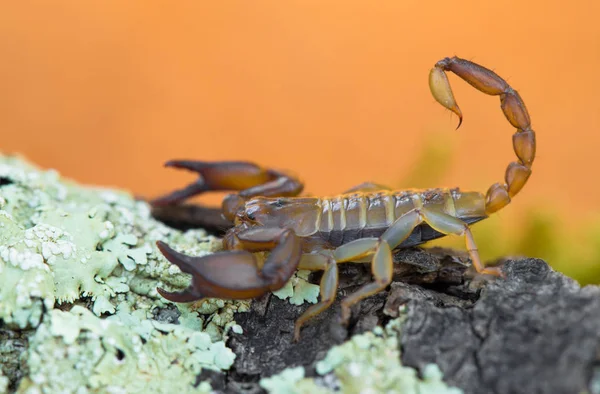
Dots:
{"x": 3, "y": 382}
{"x": 595, "y": 381}
{"x": 367, "y": 363}
{"x": 91, "y": 252}
{"x": 298, "y": 289}
{"x": 91, "y": 354}
{"x": 285, "y": 382}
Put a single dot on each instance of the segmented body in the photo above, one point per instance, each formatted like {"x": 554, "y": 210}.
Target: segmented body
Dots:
{"x": 340, "y": 219}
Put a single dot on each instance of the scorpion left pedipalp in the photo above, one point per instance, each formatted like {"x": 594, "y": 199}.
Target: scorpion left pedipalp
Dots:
{"x": 235, "y": 274}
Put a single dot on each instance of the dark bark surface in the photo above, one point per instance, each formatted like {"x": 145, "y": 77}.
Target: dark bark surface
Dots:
{"x": 535, "y": 331}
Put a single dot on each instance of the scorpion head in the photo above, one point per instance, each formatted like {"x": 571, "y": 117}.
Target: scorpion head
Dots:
{"x": 258, "y": 211}
{"x": 299, "y": 214}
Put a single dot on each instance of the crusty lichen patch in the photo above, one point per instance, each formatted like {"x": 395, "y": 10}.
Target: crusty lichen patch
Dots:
{"x": 3, "y": 382}
{"x": 298, "y": 289}
{"x": 90, "y": 354}
{"x": 79, "y": 270}
{"x": 367, "y": 363}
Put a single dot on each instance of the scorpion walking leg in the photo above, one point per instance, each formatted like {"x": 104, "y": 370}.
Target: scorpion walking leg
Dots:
{"x": 400, "y": 230}
{"x": 382, "y": 262}
{"x": 329, "y": 285}
{"x": 447, "y": 224}
{"x": 236, "y": 274}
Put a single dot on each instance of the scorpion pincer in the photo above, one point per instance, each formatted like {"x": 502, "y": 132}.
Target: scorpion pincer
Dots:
{"x": 364, "y": 224}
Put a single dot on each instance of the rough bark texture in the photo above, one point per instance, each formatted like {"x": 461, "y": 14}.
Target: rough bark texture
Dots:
{"x": 535, "y": 331}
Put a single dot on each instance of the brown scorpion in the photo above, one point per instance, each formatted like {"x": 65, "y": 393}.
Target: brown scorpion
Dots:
{"x": 361, "y": 225}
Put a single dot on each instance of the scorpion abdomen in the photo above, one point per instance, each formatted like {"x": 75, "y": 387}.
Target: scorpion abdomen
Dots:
{"x": 348, "y": 217}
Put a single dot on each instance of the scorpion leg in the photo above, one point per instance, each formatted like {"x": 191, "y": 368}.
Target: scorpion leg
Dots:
{"x": 328, "y": 286}
{"x": 448, "y": 224}
{"x": 400, "y": 230}
{"x": 382, "y": 262}
{"x": 236, "y": 274}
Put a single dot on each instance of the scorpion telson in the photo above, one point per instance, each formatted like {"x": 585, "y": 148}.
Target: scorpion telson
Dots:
{"x": 362, "y": 225}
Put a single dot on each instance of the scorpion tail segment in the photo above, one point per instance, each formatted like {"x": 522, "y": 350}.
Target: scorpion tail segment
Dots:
{"x": 218, "y": 176}
{"x": 442, "y": 92}
{"x": 513, "y": 107}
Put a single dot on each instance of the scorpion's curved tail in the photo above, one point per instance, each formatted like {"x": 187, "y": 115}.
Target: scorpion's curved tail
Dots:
{"x": 486, "y": 81}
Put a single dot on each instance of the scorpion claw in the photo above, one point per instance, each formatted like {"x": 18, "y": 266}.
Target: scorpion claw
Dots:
{"x": 217, "y": 176}
{"x": 184, "y": 262}
{"x": 235, "y": 274}
{"x": 186, "y": 164}
{"x": 180, "y": 195}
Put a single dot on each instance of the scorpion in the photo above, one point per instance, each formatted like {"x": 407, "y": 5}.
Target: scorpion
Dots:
{"x": 362, "y": 225}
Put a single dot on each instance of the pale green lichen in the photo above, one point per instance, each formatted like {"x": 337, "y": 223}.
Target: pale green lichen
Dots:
{"x": 69, "y": 246}
{"x": 595, "y": 381}
{"x": 298, "y": 289}
{"x": 3, "y": 382}
{"x": 367, "y": 363}
{"x": 285, "y": 383}
{"x": 90, "y": 354}
{"x": 89, "y": 242}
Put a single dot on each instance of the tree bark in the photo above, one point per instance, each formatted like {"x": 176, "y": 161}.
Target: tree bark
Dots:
{"x": 535, "y": 331}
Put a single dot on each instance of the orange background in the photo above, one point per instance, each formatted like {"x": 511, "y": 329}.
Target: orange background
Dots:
{"x": 336, "y": 91}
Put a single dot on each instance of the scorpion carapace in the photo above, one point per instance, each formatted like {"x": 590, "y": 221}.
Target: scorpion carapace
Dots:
{"x": 362, "y": 225}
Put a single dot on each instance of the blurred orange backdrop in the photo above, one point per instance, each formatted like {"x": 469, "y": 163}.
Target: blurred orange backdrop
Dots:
{"x": 336, "y": 91}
